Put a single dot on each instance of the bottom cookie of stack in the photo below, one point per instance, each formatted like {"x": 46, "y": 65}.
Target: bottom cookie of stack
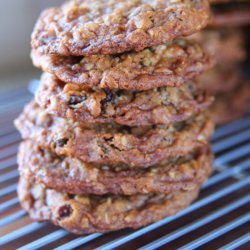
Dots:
{"x": 82, "y": 214}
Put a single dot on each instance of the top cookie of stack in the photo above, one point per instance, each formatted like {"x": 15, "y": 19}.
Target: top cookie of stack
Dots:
{"x": 119, "y": 135}
{"x": 84, "y": 28}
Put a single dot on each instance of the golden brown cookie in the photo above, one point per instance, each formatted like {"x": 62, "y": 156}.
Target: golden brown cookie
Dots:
{"x": 132, "y": 108}
{"x": 73, "y": 176}
{"x": 112, "y": 144}
{"x": 90, "y": 27}
{"x": 82, "y": 214}
{"x": 164, "y": 65}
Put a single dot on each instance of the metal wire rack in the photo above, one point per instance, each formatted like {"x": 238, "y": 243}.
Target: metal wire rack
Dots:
{"x": 217, "y": 220}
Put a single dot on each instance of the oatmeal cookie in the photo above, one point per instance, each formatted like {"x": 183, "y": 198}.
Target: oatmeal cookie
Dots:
{"x": 232, "y": 105}
{"x": 70, "y": 175}
{"x": 91, "y": 27}
{"x": 112, "y": 144}
{"x": 170, "y": 64}
{"x": 132, "y": 108}
{"x": 82, "y": 214}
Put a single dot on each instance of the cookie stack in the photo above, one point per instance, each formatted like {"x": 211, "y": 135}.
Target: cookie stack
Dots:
{"x": 225, "y": 41}
{"x": 117, "y": 135}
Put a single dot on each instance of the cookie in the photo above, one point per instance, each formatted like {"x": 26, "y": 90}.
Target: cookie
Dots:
{"x": 112, "y": 144}
{"x": 81, "y": 27}
{"x": 73, "y": 176}
{"x": 231, "y": 106}
{"x": 170, "y": 64}
{"x": 226, "y": 45}
{"x": 82, "y": 214}
{"x": 221, "y": 79}
{"x": 131, "y": 108}
{"x": 230, "y": 15}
